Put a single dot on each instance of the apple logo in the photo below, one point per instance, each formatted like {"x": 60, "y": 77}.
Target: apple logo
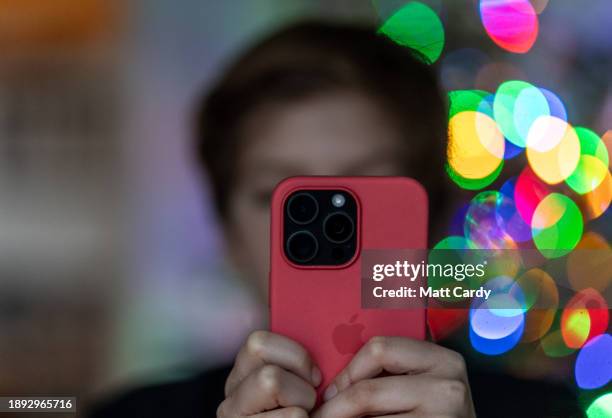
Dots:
{"x": 347, "y": 337}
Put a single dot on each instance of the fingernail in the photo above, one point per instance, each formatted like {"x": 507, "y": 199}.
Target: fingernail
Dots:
{"x": 316, "y": 376}
{"x": 330, "y": 392}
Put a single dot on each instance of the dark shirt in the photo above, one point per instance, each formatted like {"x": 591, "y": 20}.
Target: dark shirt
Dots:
{"x": 495, "y": 396}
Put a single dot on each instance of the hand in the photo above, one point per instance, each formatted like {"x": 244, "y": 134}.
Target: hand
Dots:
{"x": 272, "y": 377}
{"x": 425, "y": 380}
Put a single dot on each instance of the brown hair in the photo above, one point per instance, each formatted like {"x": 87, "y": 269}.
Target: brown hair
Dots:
{"x": 312, "y": 58}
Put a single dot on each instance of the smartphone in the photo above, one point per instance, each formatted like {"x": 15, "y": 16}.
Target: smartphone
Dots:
{"x": 319, "y": 228}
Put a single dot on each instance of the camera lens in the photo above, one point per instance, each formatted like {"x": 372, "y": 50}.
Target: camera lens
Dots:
{"x": 302, "y": 208}
{"x": 338, "y": 227}
{"x": 302, "y": 247}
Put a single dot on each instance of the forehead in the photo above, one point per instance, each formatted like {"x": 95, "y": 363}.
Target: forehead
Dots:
{"x": 327, "y": 134}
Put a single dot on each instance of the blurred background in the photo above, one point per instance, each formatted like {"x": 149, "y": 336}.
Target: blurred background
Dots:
{"x": 109, "y": 251}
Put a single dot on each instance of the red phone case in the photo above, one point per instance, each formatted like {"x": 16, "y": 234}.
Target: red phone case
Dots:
{"x": 320, "y": 306}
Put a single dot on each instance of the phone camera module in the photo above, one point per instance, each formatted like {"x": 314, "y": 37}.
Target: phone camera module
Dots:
{"x": 338, "y": 227}
{"x": 320, "y": 227}
{"x": 302, "y": 246}
{"x": 302, "y": 208}
{"x": 338, "y": 200}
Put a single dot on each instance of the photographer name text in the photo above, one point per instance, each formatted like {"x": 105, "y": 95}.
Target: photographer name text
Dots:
{"x": 456, "y": 273}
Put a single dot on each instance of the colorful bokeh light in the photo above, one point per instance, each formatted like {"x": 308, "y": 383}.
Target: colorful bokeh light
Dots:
{"x": 514, "y": 100}
{"x": 546, "y": 133}
{"x": 554, "y": 151}
{"x": 443, "y": 322}
{"x": 575, "y": 326}
{"x": 511, "y": 24}
{"x": 596, "y": 203}
{"x": 530, "y": 105}
{"x": 417, "y": 26}
{"x": 465, "y": 100}
{"x": 556, "y": 225}
{"x": 473, "y": 184}
{"x": 589, "y": 174}
{"x": 484, "y": 227}
{"x": 555, "y": 105}
{"x": 576, "y": 329}
{"x": 476, "y": 146}
{"x": 497, "y": 324}
{"x": 592, "y": 166}
{"x": 513, "y": 222}
{"x": 601, "y": 407}
{"x": 544, "y": 204}
{"x": 529, "y": 191}
{"x": 594, "y": 363}
{"x": 494, "y": 347}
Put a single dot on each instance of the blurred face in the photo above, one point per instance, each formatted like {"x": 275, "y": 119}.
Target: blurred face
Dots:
{"x": 339, "y": 134}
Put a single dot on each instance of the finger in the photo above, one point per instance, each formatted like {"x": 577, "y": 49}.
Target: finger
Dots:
{"x": 268, "y": 388}
{"x": 399, "y": 395}
{"x": 291, "y": 412}
{"x": 371, "y": 397}
{"x": 398, "y": 355}
{"x": 263, "y": 347}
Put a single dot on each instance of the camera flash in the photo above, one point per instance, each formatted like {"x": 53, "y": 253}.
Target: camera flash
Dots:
{"x": 338, "y": 200}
